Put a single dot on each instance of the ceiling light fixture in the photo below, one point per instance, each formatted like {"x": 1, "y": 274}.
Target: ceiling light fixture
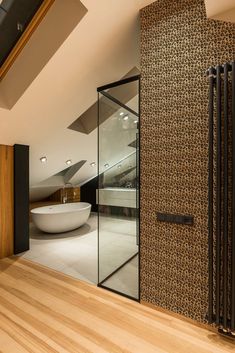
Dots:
{"x": 92, "y": 164}
{"x": 43, "y": 159}
{"x": 68, "y": 162}
{"x": 122, "y": 113}
{"x": 126, "y": 117}
{"x": 20, "y": 27}
{"x": 136, "y": 121}
{"x": 120, "y": 166}
{"x": 106, "y": 165}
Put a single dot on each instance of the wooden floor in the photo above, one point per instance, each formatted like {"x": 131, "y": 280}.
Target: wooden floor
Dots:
{"x": 44, "y": 311}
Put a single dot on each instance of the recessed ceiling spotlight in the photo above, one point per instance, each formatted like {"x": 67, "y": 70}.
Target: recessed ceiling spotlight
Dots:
{"x": 106, "y": 165}
{"x": 68, "y": 162}
{"x": 92, "y": 164}
{"x": 135, "y": 121}
{"x": 122, "y": 113}
{"x": 43, "y": 159}
{"x": 126, "y": 117}
{"x": 120, "y": 166}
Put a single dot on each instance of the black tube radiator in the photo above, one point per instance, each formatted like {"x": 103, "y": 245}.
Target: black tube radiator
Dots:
{"x": 221, "y": 198}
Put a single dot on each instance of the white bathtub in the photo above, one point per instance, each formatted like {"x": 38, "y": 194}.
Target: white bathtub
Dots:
{"x": 61, "y": 218}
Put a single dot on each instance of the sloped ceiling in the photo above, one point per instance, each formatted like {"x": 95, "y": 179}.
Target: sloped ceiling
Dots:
{"x": 102, "y": 48}
{"x": 223, "y": 10}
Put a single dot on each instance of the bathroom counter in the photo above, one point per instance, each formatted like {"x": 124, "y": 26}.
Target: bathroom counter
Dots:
{"x": 120, "y": 197}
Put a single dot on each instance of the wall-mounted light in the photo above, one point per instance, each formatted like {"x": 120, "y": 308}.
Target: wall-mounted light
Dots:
{"x": 43, "y": 159}
{"x": 106, "y": 165}
{"x": 126, "y": 117}
{"x": 68, "y": 162}
{"x": 92, "y": 164}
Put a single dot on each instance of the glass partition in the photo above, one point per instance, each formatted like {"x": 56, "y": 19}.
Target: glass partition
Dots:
{"x": 118, "y": 211}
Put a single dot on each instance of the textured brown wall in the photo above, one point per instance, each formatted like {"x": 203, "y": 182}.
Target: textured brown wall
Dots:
{"x": 178, "y": 43}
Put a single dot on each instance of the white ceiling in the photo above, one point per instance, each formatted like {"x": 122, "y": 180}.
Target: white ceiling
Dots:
{"x": 102, "y": 48}
{"x": 223, "y": 10}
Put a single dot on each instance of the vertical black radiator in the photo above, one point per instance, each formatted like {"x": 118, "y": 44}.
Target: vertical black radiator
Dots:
{"x": 233, "y": 205}
{"x": 221, "y": 198}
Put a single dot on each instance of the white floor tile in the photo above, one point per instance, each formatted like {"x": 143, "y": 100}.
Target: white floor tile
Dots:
{"x": 75, "y": 253}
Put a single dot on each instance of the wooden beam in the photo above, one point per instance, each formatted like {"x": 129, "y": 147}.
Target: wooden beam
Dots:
{"x": 38, "y": 17}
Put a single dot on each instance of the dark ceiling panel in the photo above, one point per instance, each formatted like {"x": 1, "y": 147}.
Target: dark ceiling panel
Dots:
{"x": 19, "y": 13}
{"x": 2, "y": 15}
{"x": 134, "y": 144}
{"x": 6, "y": 4}
{"x": 87, "y": 122}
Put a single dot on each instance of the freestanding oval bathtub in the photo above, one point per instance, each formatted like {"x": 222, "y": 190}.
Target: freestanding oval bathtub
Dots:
{"x": 61, "y": 218}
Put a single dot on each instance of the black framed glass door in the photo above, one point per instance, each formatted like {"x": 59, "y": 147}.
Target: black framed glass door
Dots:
{"x": 118, "y": 192}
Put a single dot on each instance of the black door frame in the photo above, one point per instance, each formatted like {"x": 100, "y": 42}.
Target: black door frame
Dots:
{"x": 99, "y": 90}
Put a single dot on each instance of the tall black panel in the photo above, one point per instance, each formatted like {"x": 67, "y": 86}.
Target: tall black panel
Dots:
{"x": 88, "y": 193}
{"x": 21, "y": 198}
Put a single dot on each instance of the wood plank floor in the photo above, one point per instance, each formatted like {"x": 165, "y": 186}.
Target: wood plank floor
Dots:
{"x": 44, "y": 311}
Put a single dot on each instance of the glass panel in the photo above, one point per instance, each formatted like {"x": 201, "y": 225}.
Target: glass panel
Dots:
{"x": 126, "y": 95}
{"x": 118, "y": 185}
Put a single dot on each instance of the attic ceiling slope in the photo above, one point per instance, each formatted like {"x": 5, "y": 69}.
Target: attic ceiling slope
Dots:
{"x": 54, "y": 29}
{"x": 18, "y": 21}
{"x": 100, "y": 49}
